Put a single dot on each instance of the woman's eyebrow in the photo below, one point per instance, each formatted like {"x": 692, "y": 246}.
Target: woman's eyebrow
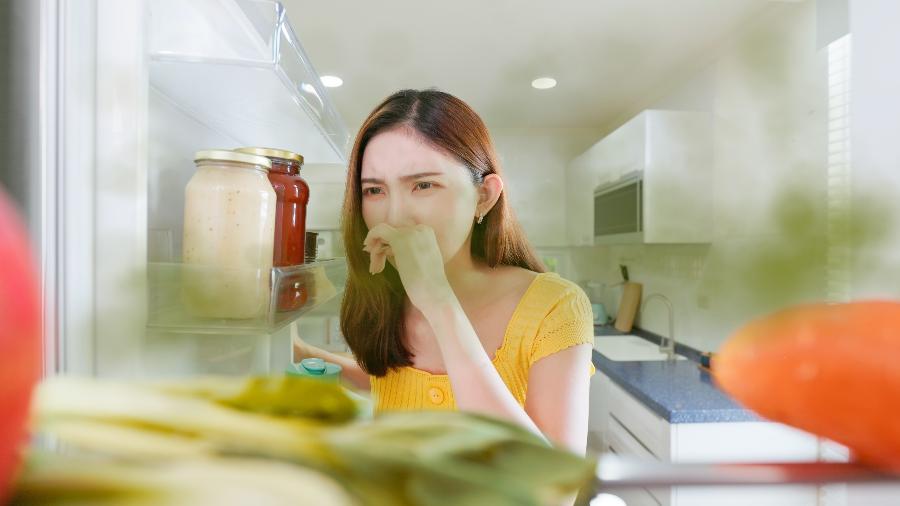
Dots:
{"x": 402, "y": 178}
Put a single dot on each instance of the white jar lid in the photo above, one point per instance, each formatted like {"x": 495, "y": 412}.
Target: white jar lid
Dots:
{"x": 226, "y": 155}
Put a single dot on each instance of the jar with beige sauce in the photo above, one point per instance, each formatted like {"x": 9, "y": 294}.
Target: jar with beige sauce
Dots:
{"x": 229, "y": 234}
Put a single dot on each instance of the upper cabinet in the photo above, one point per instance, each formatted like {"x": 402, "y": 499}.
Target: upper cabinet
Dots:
{"x": 670, "y": 154}
{"x": 237, "y": 67}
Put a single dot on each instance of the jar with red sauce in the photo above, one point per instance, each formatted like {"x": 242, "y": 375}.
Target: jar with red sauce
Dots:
{"x": 292, "y": 198}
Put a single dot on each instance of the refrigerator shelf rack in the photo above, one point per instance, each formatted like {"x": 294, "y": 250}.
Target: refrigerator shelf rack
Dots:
{"x": 172, "y": 286}
{"x": 238, "y": 67}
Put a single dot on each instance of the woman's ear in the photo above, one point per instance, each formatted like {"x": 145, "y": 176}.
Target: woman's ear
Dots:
{"x": 488, "y": 193}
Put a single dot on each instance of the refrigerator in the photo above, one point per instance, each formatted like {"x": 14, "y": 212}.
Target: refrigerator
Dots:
{"x": 110, "y": 101}
{"x": 105, "y": 103}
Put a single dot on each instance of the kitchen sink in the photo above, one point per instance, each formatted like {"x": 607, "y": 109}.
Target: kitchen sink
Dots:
{"x": 628, "y": 348}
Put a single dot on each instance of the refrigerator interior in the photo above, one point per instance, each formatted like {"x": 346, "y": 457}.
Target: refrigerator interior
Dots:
{"x": 146, "y": 84}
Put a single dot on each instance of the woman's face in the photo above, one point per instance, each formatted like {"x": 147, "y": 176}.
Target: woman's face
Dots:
{"x": 406, "y": 182}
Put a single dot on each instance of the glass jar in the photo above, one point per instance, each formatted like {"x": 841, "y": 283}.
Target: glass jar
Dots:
{"x": 292, "y": 198}
{"x": 229, "y": 231}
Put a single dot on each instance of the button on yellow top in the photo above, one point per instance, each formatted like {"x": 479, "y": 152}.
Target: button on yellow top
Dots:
{"x": 436, "y": 395}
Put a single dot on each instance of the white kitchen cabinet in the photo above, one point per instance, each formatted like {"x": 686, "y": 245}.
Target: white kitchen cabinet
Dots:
{"x": 672, "y": 153}
{"x": 620, "y": 424}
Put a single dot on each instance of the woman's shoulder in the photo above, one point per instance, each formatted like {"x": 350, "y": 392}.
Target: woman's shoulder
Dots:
{"x": 548, "y": 286}
{"x": 553, "y": 314}
{"x": 542, "y": 292}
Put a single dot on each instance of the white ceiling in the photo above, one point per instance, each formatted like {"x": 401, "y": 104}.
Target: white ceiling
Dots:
{"x": 606, "y": 54}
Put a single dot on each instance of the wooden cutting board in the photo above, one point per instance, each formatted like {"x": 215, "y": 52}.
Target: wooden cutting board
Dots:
{"x": 628, "y": 307}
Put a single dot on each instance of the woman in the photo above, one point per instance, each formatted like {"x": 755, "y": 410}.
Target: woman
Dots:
{"x": 446, "y": 305}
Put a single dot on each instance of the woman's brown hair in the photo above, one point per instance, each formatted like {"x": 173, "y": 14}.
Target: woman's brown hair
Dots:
{"x": 372, "y": 307}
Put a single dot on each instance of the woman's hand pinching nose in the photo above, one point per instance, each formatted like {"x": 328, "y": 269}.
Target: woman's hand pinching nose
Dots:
{"x": 378, "y": 256}
{"x": 414, "y": 252}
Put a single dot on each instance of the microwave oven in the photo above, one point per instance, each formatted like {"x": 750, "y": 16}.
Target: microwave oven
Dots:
{"x": 618, "y": 210}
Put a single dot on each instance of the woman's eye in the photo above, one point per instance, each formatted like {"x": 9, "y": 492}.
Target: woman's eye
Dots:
{"x": 373, "y": 190}
{"x": 424, "y": 185}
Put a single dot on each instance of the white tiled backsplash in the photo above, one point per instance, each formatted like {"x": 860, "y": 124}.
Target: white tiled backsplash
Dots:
{"x": 675, "y": 271}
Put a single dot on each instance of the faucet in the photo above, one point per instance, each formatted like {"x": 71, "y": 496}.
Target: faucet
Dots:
{"x": 667, "y": 345}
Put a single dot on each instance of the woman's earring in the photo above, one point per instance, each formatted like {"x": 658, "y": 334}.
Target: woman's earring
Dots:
{"x": 480, "y": 217}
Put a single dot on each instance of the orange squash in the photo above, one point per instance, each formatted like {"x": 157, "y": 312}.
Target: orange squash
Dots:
{"x": 829, "y": 369}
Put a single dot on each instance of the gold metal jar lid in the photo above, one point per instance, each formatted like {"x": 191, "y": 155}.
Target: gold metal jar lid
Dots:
{"x": 277, "y": 153}
{"x": 225, "y": 155}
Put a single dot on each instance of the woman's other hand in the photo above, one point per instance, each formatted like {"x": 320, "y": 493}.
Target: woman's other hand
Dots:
{"x": 414, "y": 252}
{"x": 301, "y": 348}
{"x": 351, "y": 372}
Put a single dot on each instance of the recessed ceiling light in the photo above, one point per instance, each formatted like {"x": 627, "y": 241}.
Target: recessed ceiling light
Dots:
{"x": 543, "y": 83}
{"x": 332, "y": 81}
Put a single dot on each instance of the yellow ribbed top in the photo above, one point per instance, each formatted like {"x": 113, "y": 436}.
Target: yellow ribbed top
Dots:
{"x": 554, "y": 314}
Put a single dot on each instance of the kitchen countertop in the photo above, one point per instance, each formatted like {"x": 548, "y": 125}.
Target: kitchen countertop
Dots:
{"x": 679, "y": 392}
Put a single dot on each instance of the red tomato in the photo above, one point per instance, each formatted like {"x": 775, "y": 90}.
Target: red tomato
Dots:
{"x": 20, "y": 339}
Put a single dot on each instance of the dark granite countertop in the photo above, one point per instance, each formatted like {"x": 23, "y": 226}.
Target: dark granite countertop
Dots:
{"x": 679, "y": 392}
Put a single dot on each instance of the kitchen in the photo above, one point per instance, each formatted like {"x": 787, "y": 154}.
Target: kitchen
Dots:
{"x": 757, "y": 226}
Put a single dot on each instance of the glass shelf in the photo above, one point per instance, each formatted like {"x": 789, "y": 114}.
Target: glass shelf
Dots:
{"x": 238, "y": 67}
{"x": 194, "y": 299}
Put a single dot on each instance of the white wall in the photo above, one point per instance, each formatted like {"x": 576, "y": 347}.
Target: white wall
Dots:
{"x": 534, "y": 163}
{"x": 766, "y": 88}
{"x": 874, "y": 123}
{"x": 326, "y": 195}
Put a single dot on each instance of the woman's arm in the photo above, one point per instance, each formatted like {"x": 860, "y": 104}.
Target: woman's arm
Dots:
{"x": 558, "y": 396}
{"x": 558, "y": 385}
{"x": 477, "y": 385}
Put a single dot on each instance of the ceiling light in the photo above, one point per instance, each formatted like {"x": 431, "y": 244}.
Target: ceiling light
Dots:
{"x": 543, "y": 83}
{"x": 332, "y": 81}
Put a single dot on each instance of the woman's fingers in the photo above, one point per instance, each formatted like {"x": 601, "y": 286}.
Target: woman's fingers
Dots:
{"x": 378, "y": 245}
{"x": 383, "y": 242}
{"x": 381, "y": 233}
{"x": 377, "y": 259}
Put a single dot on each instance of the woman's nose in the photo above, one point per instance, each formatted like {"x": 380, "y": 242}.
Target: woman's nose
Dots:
{"x": 399, "y": 213}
